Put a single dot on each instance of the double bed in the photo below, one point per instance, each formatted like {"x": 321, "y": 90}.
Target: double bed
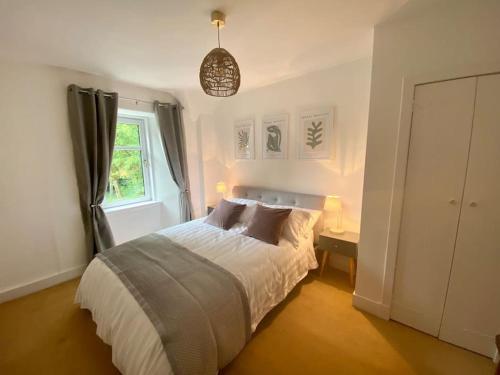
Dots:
{"x": 266, "y": 272}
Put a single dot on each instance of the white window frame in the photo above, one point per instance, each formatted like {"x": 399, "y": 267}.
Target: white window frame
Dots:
{"x": 147, "y": 170}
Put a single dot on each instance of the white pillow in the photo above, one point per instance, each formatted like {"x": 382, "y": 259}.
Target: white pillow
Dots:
{"x": 299, "y": 224}
{"x": 249, "y": 210}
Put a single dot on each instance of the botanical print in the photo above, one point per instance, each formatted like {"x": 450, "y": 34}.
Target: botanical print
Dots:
{"x": 243, "y": 140}
{"x": 315, "y": 134}
{"x": 273, "y": 139}
{"x": 274, "y": 136}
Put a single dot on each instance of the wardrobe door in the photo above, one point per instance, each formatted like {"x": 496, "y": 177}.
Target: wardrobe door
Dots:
{"x": 437, "y": 162}
{"x": 472, "y": 313}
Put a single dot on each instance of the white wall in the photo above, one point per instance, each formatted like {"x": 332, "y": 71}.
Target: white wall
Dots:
{"x": 40, "y": 224}
{"x": 424, "y": 37}
{"x": 344, "y": 88}
{"x": 136, "y": 221}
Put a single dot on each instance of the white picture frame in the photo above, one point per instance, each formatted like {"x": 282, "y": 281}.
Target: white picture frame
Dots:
{"x": 275, "y": 136}
{"x": 244, "y": 143}
{"x": 315, "y": 133}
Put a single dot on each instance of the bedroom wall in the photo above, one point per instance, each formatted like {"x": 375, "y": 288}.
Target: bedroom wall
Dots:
{"x": 40, "y": 223}
{"x": 345, "y": 88}
{"x": 424, "y": 37}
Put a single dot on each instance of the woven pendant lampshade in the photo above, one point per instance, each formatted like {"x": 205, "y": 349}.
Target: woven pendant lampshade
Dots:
{"x": 219, "y": 71}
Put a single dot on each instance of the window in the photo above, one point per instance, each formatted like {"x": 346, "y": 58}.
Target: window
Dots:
{"x": 129, "y": 177}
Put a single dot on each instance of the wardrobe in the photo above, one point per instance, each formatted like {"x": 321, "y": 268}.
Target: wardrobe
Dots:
{"x": 447, "y": 277}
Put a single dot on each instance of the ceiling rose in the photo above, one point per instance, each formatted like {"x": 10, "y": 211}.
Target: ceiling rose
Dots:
{"x": 219, "y": 71}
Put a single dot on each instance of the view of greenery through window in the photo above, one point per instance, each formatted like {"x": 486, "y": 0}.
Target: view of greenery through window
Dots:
{"x": 126, "y": 179}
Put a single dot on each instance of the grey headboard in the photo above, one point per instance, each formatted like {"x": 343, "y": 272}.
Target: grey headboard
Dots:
{"x": 285, "y": 198}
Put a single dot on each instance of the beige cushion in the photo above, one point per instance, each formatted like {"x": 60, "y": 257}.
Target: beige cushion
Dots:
{"x": 299, "y": 223}
{"x": 225, "y": 215}
{"x": 267, "y": 223}
{"x": 247, "y": 214}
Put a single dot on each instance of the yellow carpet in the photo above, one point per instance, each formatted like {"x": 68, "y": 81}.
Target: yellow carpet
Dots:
{"x": 315, "y": 331}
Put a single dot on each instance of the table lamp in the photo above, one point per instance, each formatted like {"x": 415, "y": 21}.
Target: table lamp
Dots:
{"x": 221, "y": 188}
{"x": 333, "y": 205}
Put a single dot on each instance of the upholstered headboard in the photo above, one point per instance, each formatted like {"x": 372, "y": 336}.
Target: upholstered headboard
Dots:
{"x": 284, "y": 198}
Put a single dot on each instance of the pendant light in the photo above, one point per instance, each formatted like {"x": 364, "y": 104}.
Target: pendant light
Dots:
{"x": 219, "y": 72}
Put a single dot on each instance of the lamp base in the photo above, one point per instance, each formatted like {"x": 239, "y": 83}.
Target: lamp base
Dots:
{"x": 336, "y": 230}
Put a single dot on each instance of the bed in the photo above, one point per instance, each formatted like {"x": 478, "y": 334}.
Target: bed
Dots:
{"x": 267, "y": 272}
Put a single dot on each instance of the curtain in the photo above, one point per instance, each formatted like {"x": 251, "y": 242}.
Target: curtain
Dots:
{"x": 92, "y": 120}
{"x": 169, "y": 119}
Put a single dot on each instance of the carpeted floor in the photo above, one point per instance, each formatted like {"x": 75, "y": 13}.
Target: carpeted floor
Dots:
{"x": 315, "y": 331}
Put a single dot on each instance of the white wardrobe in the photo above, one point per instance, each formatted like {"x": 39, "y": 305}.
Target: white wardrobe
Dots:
{"x": 447, "y": 280}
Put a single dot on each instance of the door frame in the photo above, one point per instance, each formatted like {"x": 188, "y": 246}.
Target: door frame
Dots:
{"x": 401, "y": 159}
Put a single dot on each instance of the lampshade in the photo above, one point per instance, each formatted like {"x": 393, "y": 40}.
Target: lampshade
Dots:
{"x": 219, "y": 71}
{"x": 220, "y": 187}
{"x": 333, "y": 203}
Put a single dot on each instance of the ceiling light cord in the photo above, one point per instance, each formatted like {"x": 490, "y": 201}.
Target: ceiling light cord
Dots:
{"x": 218, "y": 33}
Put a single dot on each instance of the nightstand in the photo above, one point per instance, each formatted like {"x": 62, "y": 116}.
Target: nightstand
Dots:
{"x": 344, "y": 244}
{"x": 210, "y": 208}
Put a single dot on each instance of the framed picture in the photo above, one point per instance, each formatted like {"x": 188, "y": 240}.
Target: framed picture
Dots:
{"x": 275, "y": 136}
{"x": 244, "y": 147}
{"x": 315, "y": 133}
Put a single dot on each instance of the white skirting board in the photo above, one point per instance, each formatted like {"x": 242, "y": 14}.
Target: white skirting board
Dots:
{"x": 43, "y": 283}
{"x": 373, "y": 307}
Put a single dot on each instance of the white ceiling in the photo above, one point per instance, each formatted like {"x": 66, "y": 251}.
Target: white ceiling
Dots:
{"x": 161, "y": 43}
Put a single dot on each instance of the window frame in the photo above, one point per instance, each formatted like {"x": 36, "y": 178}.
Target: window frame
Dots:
{"x": 144, "y": 148}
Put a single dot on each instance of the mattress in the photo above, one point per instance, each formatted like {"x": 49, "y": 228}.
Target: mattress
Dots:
{"x": 267, "y": 272}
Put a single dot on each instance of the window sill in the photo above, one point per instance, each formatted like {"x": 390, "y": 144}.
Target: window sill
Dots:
{"x": 133, "y": 206}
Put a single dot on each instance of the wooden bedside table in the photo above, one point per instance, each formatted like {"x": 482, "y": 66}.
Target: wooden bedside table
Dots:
{"x": 344, "y": 244}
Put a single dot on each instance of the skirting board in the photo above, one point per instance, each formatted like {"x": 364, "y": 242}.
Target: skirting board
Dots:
{"x": 40, "y": 284}
{"x": 376, "y": 308}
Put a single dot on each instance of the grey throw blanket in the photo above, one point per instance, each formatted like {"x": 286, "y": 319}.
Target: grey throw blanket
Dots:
{"x": 199, "y": 309}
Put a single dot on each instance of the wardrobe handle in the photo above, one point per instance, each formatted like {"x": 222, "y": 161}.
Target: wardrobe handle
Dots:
{"x": 452, "y": 201}
{"x": 473, "y": 204}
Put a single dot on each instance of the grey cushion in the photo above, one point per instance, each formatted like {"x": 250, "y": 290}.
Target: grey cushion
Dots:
{"x": 267, "y": 224}
{"x": 284, "y": 198}
{"x": 225, "y": 215}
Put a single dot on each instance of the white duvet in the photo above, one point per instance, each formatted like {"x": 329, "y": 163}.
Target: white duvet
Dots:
{"x": 267, "y": 272}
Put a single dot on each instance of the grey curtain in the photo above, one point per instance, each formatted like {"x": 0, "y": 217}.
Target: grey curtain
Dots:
{"x": 169, "y": 119}
{"x": 92, "y": 120}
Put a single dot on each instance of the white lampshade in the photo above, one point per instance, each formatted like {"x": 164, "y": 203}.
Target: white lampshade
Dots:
{"x": 333, "y": 203}
{"x": 220, "y": 187}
